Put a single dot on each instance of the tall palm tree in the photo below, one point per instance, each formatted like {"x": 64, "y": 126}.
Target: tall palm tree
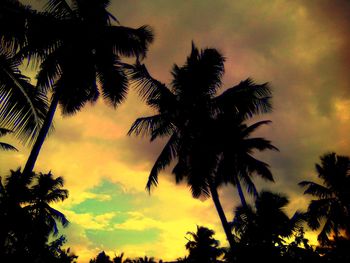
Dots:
{"x": 5, "y": 146}
{"x": 202, "y": 246}
{"x": 331, "y": 209}
{"x": 187, "y": 113}
{"x": 78, "y": 45}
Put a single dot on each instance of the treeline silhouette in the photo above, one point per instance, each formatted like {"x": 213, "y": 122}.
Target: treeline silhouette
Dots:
{"x": 77, "y": 48}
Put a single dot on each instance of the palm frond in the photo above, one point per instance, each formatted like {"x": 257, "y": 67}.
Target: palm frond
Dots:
{"x": 316, "y": 189}
{"x": 249, "y": 184}
{"x": 251, "y": 128}
{"x": 148, "y": 87}
{"x": 154, "y": 126}
{"x": 4, "y": 132}
{"x": 245, "y": 99}
{"x": 7, "y": 147}
{"x": 113, "y": 80}
{"x": 260, "y": 144}
{"x": 166, "y": 156}
{"x": 261, "y": 168}
{"x": 128, "y": 41}
{"x": 22, "y": 107}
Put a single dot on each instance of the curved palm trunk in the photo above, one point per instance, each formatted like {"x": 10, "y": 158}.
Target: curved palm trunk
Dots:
{"x": 33, "y": 156}
{"x": 240, "y": 192}
{"x": 215, "y": 196}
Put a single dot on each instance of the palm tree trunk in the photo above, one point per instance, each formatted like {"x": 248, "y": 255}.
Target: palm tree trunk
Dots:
{"x": 33, "y": 156}
{"x": 215, "y": 196}
{"x": 240, "y": 192}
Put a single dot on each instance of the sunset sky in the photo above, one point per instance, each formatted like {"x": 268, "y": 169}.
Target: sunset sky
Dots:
{"x": 300, "y": 47}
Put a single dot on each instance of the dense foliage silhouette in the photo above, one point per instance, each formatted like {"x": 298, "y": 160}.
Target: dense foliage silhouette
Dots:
{"x": 29, "y": 230}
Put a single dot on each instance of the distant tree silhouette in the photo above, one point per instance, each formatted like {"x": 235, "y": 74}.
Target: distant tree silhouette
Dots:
{"x": 144, "y": 259}
{"x": 5, "y": 146}
{"x": 28, "y": 219}
{"x": 331, "y": 209}
{"x": 202, "y": 246}
{"x": 119, "y": 258}
{"x": 260, "y": 231}
{"x": 47, "y": 190}
{"x": 78, "y": 47}
{"x": 187, "y": 114}
{"x": 102, "y": 257}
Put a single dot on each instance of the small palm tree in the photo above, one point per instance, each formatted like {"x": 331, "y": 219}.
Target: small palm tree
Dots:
{"x": 47, "y": 190}
{"x": 202, "y": 246}
{"x": 261, "y": 231}
{"x": 331, "y": 209}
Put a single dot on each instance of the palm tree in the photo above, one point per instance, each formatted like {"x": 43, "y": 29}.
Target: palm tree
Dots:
{"x": 264, "y": 228}
{"x": 188, "y": 113}
{"x": 202, "y": 246}
{"x": 27, "y": 217}
{"x": 333, "y": 196}
{"x": 78, "y": 46}
{"x": 47, "y": 190}
{"x": 5, "y": 146}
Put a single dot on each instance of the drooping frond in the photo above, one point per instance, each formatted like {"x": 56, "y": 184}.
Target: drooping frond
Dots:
{"x": 251, "y": 128}
{"x": 150, "y": 89}
{"x": 7, "y": 147}
{"x": 168, "y": 153}
{"x": 22, "y": 107}
{"x": 154, "y": 126}
{"x": 259, "y": 167}
{"x": 112, "y": 78}
{"x": 316, "y": 189}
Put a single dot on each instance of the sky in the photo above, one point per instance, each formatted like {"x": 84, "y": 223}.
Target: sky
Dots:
{"x": 300, "y": 47}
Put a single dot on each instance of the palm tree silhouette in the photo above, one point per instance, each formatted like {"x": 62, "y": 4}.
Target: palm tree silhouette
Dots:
{"x": 264, "y": 228}
{"x": 78, "y": 47}
{"x": 27, "y": 217}
{"x": 187, "y": 113}
{"x": 47, "y": 190}
{"x": 333, "y": 197}
{"x": 5, "y": 146}
{"x": 202, "y": 246}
